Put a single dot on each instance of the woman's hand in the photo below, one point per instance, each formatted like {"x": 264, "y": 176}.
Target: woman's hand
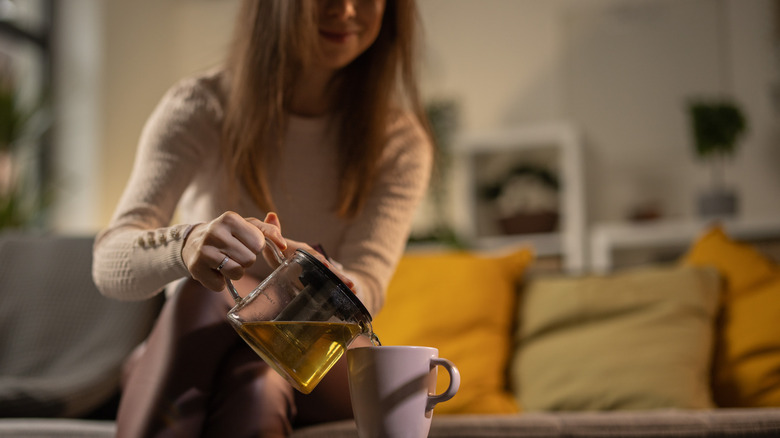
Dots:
{"x": 228, "y": 245}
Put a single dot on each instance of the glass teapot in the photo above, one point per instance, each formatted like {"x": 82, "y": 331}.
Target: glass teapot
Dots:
{"x": 300, "y": 319}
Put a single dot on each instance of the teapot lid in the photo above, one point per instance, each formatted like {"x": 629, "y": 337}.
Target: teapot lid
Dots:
{"x": 331, "y": 276}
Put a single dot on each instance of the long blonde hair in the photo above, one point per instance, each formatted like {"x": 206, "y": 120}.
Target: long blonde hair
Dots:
{"x": 270, "y": 46}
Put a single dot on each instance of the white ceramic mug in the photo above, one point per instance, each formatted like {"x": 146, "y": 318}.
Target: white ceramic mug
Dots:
{"x": 392, "y": 389}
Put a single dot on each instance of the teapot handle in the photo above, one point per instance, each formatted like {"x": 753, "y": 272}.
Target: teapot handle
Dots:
{"x": 278, "y": 255}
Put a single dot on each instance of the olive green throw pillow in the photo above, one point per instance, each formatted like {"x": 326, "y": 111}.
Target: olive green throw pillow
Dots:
{"x": 639, "y": 339}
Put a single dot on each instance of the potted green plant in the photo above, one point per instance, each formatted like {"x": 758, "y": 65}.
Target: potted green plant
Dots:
{"x": 718, "y": 125}
{"x": 21, "y": 193}
{"x": 443, "y": 116}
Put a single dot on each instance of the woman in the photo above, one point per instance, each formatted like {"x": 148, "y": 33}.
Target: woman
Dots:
{"x": 314, "y": 124}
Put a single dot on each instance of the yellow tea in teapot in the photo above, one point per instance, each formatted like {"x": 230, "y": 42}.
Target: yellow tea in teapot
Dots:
{"x": 304, "y": 351}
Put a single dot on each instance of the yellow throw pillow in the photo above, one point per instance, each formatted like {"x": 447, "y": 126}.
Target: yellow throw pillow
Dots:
{"x": 463, "y": 304}
{"x": 638, "y": 339}
{"x": 740, "y": 264}
{"x": 746, "y": 367}
{"x": 747, "y": 360}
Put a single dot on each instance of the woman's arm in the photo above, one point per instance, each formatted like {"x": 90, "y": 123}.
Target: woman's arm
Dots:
{"x": 139, "y": 253}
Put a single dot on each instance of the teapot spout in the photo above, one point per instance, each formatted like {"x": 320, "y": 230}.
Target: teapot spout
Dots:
{"x": 367, "y": 330}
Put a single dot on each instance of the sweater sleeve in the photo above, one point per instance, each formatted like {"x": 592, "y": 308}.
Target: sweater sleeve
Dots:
{"x": 376, "y": 240}
{"x": 139, "y": 252}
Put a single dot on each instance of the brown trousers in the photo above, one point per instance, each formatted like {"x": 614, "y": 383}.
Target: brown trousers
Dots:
{"x": 194, "y": 376}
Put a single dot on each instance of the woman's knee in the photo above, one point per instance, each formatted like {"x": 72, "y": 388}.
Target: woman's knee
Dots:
{"x": 191, "y": 334}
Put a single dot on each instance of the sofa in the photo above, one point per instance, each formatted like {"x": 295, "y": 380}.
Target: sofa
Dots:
{"x": 689, "y": 348}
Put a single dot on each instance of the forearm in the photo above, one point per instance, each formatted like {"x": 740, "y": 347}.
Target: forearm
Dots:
{"x": 139, "y": 253}
{"x": 135, "y": 264}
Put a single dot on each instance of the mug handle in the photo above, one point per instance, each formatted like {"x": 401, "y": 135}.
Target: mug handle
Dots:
{"x": 452, "y": 370}
{"x": 278, "y": 255}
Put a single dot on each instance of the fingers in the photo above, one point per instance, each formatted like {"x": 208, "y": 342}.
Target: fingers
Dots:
{"x": 228, "y": 245}
{"x": 271, "y": 230}
{"x": 222, "y": 263}
{"x": 235, "y": 238}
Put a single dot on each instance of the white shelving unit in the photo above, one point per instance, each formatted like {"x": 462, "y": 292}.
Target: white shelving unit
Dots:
{"x": 560, "y": 145}
{"x": 607, "y": 239}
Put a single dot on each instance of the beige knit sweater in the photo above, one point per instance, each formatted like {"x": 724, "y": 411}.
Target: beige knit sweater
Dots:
{"x": 178, "y": 171}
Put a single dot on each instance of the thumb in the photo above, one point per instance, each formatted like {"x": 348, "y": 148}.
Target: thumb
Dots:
{"x": 273, "y": 219}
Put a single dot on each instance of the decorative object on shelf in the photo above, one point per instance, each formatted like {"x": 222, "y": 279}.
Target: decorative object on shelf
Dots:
{"x": 646, "y": 211}
{"x": 717, "y": 126}
{"x": 526, "y": 200}
{"x": 484, "y": 159}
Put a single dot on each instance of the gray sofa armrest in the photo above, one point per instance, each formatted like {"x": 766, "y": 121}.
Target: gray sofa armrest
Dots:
{"x": 55, "y": 428}
{"x": 62, "y": 344}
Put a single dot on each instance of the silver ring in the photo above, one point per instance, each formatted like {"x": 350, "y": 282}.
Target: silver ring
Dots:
{"x": 222, "y": 265}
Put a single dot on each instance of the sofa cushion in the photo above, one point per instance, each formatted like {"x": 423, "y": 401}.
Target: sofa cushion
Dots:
{"x": 741, "y": 265}
{"x": 637, "y": 339}
{"x": 746, "y": 369}
{"x": 463, "y": 304}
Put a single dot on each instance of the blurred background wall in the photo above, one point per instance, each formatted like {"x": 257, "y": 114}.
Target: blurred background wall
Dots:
{"x": 621, "y": 71}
